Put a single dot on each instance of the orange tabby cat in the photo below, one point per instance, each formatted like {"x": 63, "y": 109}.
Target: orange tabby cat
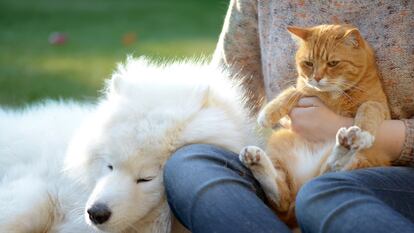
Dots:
{"x": 337, "y": 65}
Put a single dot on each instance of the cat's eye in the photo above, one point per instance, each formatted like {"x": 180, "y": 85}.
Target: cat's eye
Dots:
{"x": 110, "y": 167}
{"x": 142, "y": 180}
{"x": 333, "y": 63}
{"x": 308, "y": 63}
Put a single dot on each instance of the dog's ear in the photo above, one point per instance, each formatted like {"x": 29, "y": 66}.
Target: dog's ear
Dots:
{"x": 131, "y": 70}
{"x": 114, "y": 85}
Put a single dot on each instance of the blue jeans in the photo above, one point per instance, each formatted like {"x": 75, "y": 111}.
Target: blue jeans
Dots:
{"x": 367, "y": 200}
{"x": 210, "y": 191}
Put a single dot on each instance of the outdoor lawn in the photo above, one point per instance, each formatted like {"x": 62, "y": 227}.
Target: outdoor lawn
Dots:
{"x": 96, "y": 35}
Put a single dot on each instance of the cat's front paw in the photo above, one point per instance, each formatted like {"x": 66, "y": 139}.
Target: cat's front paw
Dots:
{"x": 251, "y": 155}
{"x": 262, "y": 120}
{"x": 354, "y": 138}
{"x": 268, "y": 118}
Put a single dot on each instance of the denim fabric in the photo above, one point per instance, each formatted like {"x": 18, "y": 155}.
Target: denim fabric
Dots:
{"x": 367, "y": 200}
{"x": 210, "y": 191}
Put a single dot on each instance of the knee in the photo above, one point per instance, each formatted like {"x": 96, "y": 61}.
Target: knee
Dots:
{"x": 317, "y": 198}
{"x": 190, "y": 169}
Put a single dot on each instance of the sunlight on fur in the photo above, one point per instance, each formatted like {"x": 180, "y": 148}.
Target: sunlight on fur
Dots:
{"x": 107, "y": 175}
{"x": 337, "y": 65}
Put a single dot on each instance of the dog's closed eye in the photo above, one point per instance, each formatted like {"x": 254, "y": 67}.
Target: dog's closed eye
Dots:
{"x": 142, "y": 180}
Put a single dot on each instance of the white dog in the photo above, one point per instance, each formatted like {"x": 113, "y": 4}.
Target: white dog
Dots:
{"x": 111, "y": 177}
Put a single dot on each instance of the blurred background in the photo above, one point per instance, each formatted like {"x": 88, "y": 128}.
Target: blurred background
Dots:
{"x": 66, "y": 48}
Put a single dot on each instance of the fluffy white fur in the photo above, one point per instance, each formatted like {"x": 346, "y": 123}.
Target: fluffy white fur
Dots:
{"x": 34, "y": 194}
{"x": 147, "y": 112}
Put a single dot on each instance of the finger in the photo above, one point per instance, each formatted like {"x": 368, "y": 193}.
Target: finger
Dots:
{"x": 312, "y": 101}
{"x": 300, "y": 112}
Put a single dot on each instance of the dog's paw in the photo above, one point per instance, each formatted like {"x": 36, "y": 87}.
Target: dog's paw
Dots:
{"x": 353, "y": 138}
{"x": 251, "y": 155}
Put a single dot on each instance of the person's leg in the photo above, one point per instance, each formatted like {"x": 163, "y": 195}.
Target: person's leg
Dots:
{"x": 209, "y": 190}
{"x": 367, "y": 200}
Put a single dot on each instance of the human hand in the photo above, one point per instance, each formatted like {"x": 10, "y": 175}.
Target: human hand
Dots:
{"x": 314, "y": 121}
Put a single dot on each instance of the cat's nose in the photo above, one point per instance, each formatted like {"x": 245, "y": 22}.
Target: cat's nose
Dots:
{"x": 318, "y": 78}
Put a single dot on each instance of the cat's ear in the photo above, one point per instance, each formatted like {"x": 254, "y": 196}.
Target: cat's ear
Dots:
{"x": 353, "y": 38}
{"x": 299, "y": 33}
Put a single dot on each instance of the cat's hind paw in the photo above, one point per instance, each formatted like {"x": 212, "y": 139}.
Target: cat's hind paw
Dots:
{"x": 251, "y": 155}
{"x": 354, "y": 138}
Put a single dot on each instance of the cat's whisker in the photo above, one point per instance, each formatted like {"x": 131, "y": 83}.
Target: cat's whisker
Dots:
{"x": 343, "y": 93}
{"x": 348, "y": 85}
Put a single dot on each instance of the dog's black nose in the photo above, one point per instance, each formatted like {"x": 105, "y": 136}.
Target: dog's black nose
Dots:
{"x": 99, "y": 213}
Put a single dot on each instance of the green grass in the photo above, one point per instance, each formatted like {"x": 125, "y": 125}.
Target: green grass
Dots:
{"x": 31, "y": 69}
